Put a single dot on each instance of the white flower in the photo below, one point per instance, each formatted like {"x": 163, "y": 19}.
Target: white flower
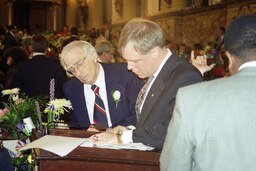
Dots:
{"x": 10, "y": 91}
{"x": 58, "y": 106}
{"x": 15, "y": 97}
{"x": 116, "y": 95}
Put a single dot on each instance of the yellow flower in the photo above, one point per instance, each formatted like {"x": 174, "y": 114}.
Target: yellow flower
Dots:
{"x": 29, "y": 159}
{"x": 58, "y": 106}
{"x": 11, "y": 91}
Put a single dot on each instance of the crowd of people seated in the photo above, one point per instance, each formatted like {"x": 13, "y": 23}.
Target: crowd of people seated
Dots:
{"x": 136, "y": 101}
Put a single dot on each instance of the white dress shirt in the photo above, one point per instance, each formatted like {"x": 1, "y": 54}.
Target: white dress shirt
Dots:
{"x": 90, "y": 96}
{"x": 247, "y": 64}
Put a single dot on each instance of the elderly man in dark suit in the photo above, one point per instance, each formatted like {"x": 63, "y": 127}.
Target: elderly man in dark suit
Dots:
{"x": 142, "y": 45}
{"x": 118, "y": 89}
{"x": 34, "y": 76}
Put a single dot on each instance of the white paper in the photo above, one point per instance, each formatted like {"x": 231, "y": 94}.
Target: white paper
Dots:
{"x": 59, "y": 145}
{"x": 130, "y": 146}
{"x": 10, "y": 146}
{"x": 28, "y": 124}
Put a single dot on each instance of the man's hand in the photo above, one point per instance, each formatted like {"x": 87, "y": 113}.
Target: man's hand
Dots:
{"x": 200, "y": 62}
{"x": 104, "y": 138}
{"x": 117, "y": 129}
{"x": 92, "y": 128}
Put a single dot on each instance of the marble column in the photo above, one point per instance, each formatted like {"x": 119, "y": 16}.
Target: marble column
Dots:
{"x": 9, "y": 4}
{"x": 55, "y": 5}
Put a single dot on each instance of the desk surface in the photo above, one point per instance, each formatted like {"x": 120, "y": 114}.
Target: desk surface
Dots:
{"x": 83, "y": 158}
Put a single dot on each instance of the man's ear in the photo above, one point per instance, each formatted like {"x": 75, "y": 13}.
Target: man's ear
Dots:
{"x": 231, "y": 60}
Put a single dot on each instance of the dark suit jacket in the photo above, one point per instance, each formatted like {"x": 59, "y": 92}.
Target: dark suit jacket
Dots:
{"x": 33, "y": 76}
{"x": 159, "y": 103}
{"x": 69, "y": 40}
{"x": 117, "y": 77}
{"x": 10, "y": 41}
{"x": 5, "y": 160}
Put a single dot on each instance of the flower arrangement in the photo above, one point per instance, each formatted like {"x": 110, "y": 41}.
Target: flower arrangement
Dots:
{"x": 55, "y": 108}
{"x": 19, "y": 113}
{"x": 17, "y": 120}
{"x": 116, "y": 95}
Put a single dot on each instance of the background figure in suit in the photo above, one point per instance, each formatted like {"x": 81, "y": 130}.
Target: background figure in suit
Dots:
{"x": 79, "y": 58}
{"x": 10, "y": 39}
{"x": 220, "y": 39}
{"x": 74, "y": 36}
{"x": 213, "y": 127}
{"x": 13, "y": 56}
{"x": 105, "y": 51}
{"x": 33, "y": 76}
{"x": 142, "y": 44}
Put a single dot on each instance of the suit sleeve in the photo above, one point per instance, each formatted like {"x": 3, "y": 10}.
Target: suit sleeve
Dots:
{"x": 73, "y": 124}
{"x": 178, "y": 149}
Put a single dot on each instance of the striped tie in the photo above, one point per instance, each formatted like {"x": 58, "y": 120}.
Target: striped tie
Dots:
{"x": 141, "y": 97}
{"x": 99, "y": 115}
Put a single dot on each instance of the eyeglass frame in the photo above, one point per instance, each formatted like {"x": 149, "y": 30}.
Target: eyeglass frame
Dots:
{"x": 71, "y": 69}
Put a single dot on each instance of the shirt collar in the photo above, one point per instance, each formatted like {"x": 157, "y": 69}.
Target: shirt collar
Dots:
{"x": 38, "y": 53}
{"x": 101, "y": 77}
{"x": 247, "y": 64}
{"x": 169, "y": 53}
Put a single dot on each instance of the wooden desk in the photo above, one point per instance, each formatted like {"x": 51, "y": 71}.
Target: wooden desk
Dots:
{"x": 95, "y": 159}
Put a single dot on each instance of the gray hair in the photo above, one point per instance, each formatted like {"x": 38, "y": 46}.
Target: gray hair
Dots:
{"x": 88, "y": 49}
{"x": 144, "y": 35}
{"x": 103, "y": 46}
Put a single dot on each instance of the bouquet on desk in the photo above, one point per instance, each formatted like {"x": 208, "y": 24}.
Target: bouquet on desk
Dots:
{"x": 19, "y": 114}
{"x": 17, "y": 120}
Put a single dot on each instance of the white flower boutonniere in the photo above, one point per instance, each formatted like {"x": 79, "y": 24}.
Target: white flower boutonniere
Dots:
{"x": 116, "y": 95}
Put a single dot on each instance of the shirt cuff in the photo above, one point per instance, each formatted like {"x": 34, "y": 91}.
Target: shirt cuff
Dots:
{"x": 127, "y": 137}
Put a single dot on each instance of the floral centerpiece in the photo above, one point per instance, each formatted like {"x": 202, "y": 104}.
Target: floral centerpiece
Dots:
{"x": 21, "y": 114}
{"x": 17, "y": 120}
{"x": 55, "y": 108}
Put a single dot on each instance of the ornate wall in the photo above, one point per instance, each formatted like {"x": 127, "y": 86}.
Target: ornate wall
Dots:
{"x": 188, "y": 23}
{"x": 183, "y": 21}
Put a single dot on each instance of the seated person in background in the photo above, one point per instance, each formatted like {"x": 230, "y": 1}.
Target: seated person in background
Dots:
{"x": 166, "y": 73}
{"x": 74, "y": 36}
{"x": 13, "y": 56}
{"x": 114, "y": 103}
{"x": 34, "y": 76}
{"x": 213, "y": 125}
{"x": 105, "y": 51}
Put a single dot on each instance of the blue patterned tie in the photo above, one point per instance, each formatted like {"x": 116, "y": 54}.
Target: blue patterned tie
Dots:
{"x": 99, "y": 115}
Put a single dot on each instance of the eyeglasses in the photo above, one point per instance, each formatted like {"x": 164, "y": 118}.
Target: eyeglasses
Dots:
{"x": 71, "y": 70}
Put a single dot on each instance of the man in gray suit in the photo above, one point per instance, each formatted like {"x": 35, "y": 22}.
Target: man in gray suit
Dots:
{"x": 142, "y": 45}
{"x": 213, "y": 125}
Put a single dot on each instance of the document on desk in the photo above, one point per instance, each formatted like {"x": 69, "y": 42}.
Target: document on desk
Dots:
{"x": 59, "y": 145}
{"x": 130, "y": 146}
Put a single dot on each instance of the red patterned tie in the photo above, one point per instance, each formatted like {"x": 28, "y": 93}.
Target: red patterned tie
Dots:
{"x": 99, "y": 115}
{"x": 141, "y": 97}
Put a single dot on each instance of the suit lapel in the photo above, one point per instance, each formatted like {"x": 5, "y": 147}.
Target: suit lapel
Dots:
{"x": 112, "y": 84}
{"x": 156, "y": 89}
{"x": 79, "y": 94}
